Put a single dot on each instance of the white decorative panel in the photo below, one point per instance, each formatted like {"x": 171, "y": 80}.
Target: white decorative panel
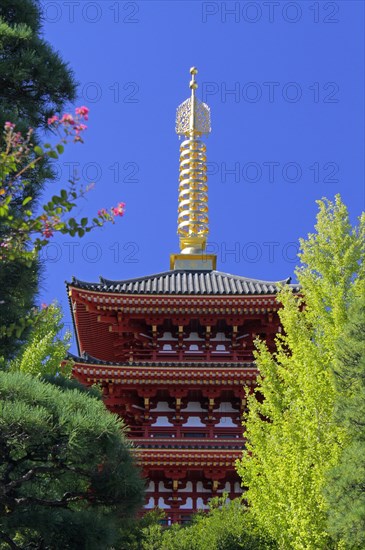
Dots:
{"x": 150, "y": 504}
{"x": 162, "y": 488}
{"x": 226, "y": 406}
{"x": 166, "y": 336}
{"x": 161, "y": 503}
{"x": 187, "y": 505}
{"x": 151, "y": 487}
{"x": 200, "y": 504}
{"x": 162, "y": 406}
{"x": 188, "y": 488}
{"x": 226, "y": 422}
{"x": 162, "y": 421}
{"x": 200, "y": 488}
{"x": 220, "y": 337}
{"x": 194, "y": 337}
{"x": 193, "y": 406}
{"x": 194, "y": 421}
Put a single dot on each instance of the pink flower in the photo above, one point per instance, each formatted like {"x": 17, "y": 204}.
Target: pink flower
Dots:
{"x": 52, "y": 120}
{"x": 82, "y": 111}
{"x": 9, "y": 125}
{"x": 67, "y": 118}
{"x": 119, "y": 209}
{"x": 80, "y": 128}
{"x": 17, "y": 138}
{"x": 47, "y": 230}
{"x": 102, "y": 213}
{"x": 44, "y": 305}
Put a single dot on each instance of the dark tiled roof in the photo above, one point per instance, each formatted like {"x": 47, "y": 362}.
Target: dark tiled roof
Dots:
{"x": 87, "y": 359}
{"x": 185, "y": 282}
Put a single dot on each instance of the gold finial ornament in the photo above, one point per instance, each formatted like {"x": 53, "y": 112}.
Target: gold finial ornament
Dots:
{"x": 193, "y": 115}
{"x": 193, "y": 85}
{"x": 192, "y": 121}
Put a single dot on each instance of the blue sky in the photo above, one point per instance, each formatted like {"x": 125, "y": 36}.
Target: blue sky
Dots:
{"x": 285, "y": 84}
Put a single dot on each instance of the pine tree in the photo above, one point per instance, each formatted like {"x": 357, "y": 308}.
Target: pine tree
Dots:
{"x": 67, "y": 476}
{"x": 34, "y": 80}
{"x": 34, "y": 84}
{"x": 292, "y": 439}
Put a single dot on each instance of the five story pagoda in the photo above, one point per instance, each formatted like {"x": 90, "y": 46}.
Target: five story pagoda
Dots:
{"x": 173, "y": 351}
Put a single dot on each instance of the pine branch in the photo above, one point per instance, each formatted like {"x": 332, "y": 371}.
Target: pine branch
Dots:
{"x": 66, "y": 499}
{"x": 28, "y": 476}
{"x": 9, "y": 541}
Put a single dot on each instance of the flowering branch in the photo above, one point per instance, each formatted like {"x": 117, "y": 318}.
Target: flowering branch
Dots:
{"x": 26, "y": 232}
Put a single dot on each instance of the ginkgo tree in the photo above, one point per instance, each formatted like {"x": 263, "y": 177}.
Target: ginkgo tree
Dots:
{"x": 345, "y": 490}
{"x": 47, "y": 345}
{"x": 293, "y": 439}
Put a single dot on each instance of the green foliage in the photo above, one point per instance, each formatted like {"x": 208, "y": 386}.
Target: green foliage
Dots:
{"x": 345, "y": 490}
{"x": 65, "y": 384}
{"x": 292, "y": 439}
{"x": 141, "y": 533}
{"x": 67, "y": 476}
{"x": 227, "y": 526}
{"x": 45, "y": 348}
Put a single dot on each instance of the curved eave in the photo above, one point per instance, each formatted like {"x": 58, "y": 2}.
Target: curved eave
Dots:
{"x": 90, "y": 361}
{"x": 196, "y": 376}
{"x": 177, "y": 444}
{"x": 74, "y": 324}
{"x": 185, "y": 283}
{"x": 152, "y": 303}
{"x": 192, "y": 459}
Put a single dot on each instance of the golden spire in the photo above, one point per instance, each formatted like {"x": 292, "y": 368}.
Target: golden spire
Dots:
{"x": 192, "y": 121}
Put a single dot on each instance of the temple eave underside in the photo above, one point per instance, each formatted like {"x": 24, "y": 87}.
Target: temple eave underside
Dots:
{"x": 124, "y": 328}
